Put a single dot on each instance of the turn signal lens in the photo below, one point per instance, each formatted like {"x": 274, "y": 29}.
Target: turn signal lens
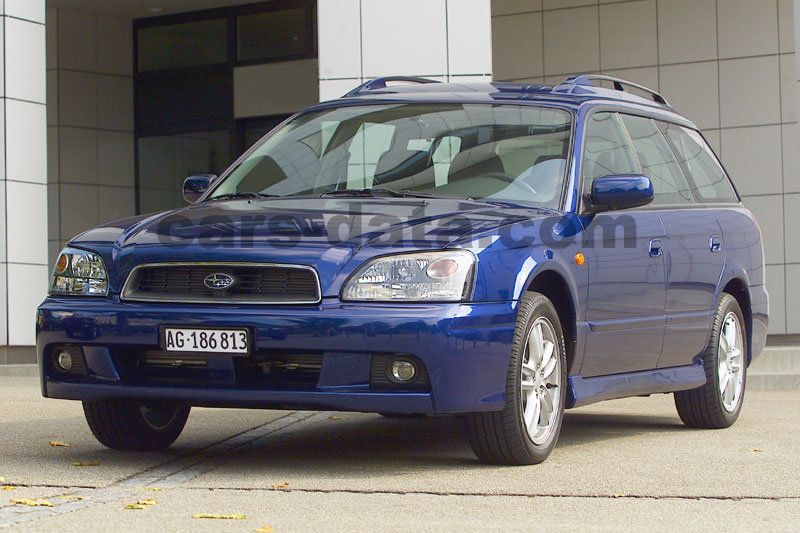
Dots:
{"x": 62, "y": 263}
{"x": 580, "y": 259}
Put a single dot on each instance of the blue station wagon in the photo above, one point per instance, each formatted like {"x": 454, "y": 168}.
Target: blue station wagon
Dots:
{"x": 498, "y": 251}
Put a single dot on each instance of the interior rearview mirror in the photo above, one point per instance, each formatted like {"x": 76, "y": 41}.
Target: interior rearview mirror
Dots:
{"x": 195, "y": 186}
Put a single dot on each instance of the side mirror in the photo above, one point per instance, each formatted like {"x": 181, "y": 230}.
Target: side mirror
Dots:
{"x": 195, "y": 186}
{"x": 621, "y": 192}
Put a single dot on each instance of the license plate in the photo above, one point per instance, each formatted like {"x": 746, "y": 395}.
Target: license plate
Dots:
{"x": 206, "y": 340}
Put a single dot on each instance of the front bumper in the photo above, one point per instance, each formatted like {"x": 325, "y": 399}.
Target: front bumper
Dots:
{"x": 464, "y": 349}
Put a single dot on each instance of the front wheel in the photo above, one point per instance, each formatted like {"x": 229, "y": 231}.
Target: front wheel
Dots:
{"x": 527, "y": 429}
{"x": 129, "y": 425}
{"x": 717, "y": 404}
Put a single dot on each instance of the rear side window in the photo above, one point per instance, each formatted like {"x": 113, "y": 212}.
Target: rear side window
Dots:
{"x": 658, "y": 161}
{"x": 710, "y": 184}
{"x": 607, "y": 149}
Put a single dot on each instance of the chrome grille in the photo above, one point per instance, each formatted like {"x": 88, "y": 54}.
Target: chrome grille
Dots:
{"x": 253, "y": 283}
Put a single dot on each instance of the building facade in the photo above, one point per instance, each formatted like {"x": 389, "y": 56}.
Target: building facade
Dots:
{"x": 107, "y": 105}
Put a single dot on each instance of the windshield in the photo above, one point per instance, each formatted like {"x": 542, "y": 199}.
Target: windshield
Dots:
{"x": 480, "y": 151}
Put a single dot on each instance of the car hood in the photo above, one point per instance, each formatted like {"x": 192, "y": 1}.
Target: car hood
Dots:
{"x": 325, "y": 233}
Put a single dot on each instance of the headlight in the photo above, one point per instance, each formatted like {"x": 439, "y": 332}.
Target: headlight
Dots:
{"x": 79, "y": 273}
{"x": 431, "y": 276}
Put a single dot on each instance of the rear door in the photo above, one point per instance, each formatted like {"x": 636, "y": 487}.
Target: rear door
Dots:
{"x": 692, "y": 246}
{"x": 695, "y": 268}
{"x": 627, "y": 278}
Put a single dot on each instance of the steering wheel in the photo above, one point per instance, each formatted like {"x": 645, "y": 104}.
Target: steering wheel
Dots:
{"x": 510, "y": 179}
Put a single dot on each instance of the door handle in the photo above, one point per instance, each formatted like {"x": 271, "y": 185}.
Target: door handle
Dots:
{"x": 715, "y": 244}
{"x": 656, "y": 249}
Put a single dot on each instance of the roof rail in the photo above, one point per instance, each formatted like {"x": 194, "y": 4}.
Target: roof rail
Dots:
{"x": 382, "y": 83}
{"x": 619, "y": 85}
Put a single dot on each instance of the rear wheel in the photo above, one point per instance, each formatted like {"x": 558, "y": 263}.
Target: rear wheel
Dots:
{"x": 527, "y": 429}
{"x": 129, "y": 425}
{"x": 717, "y": 404}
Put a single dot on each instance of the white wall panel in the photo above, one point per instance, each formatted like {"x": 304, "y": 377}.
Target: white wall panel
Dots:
{"x": 396, "y": 40}
{"x": 571, "y": 41}
{"x": 693, "y": 89}
{"x": 32, "y": 10}
{"x": 683, "y": 30}
{"x": 749, "y": 91}
{"x": 776, "y": 286}
{"x": 339, "y": 39}
{"x": 364, "y": 39}
{"x": 753, "y": 158}
{"x": 27, "y": 222}
{"x": 333, "y": 89}
{"x": 3, "y": 304}
{"x": 517, "y": 50}
{"x": 25, "y": 63}
{"x": 26, "y": 141}
{"x": 628, "y": 36}
{"x": 747, "y": 27}
{"x": 27, "y": 287}
{"x": 510, "y": 7}
{"x": 469, "y": 37}
{"x": 768, "y": 210}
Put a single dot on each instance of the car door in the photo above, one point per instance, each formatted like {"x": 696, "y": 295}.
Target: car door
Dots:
{"x": 696, "y": 251}
{"x": 627, "y": 277}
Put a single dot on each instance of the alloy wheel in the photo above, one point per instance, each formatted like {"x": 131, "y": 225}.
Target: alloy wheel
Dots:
{"x": 731, "y": 367}
{"x": 541, "y": 380}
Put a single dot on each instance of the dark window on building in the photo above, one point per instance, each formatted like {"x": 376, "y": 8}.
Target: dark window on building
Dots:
{"x": 183, "y": 88}
{"x": 272, "y": 35}
{"x": 188, "y": 44}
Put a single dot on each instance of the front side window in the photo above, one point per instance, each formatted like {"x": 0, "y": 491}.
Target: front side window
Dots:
{"x": 657, "y": 161}
{"x": 710, "y": 184}
{"x": 480, "y": 151}
{"x": 607, "y": 150}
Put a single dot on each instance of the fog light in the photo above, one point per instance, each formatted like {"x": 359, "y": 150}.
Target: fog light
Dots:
{"x": 403, "y": 371}
{"x": 64, "y": 360}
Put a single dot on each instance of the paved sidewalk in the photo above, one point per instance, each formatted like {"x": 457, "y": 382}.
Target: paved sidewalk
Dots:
{"x": 622, "y": 464}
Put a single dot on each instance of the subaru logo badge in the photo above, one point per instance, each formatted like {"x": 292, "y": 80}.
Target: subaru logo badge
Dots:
{"x": 218, "y": 280}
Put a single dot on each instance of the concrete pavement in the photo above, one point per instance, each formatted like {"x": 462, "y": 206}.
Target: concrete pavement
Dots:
{"x": 622, "y": 464}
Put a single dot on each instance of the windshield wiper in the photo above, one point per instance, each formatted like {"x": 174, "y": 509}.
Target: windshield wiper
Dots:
{"x": 243, "y": 194}
{"x": 377, "y": 192}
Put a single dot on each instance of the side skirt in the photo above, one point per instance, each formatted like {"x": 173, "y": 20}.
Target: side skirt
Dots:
{"x": 584, "y": 391}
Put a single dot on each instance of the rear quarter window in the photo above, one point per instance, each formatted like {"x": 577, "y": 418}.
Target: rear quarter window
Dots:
{"x": 708, "y": 179}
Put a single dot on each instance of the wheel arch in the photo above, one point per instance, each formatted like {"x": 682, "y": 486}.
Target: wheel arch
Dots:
{"x": 555, "y": 286}
{"x": 737, "y": 288}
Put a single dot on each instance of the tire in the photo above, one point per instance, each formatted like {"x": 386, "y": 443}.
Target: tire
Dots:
{"x": 128, "y": 425}
{"x": 502, "y": 437}
{"x": 709, "y": 406}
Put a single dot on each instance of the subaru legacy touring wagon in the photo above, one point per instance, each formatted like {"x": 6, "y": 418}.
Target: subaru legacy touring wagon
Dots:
{"x": 496, "y": 251}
